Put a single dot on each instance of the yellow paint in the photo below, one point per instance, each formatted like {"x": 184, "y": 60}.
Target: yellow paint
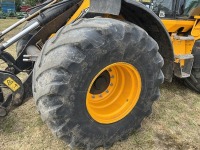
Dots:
{"x": 196, "y": 29}
{"x": 84, "y": 5}
{"x": 174, "y": 25}
{"x": 121, "y": 96}
{"x": 52, "y": 35}
{"x": 9, "y": 82}
{"x": 182, "y": 47}
{"x": 197, "y": 17}
{"x": 180, "y": 61}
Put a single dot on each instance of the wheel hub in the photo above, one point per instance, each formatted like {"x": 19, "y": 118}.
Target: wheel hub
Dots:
{"x": 101, "y": 83}
{"x": 113, "y": 93}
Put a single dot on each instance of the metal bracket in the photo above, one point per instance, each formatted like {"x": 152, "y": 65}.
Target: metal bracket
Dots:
{"x": 30, "y": 58}
{"x": 183, "y": 65}
{"x": 184, "y": 38}
{"x": 105, "y": 6}
{"x": 12, "y": 101}
{"x": 15, "y": 97}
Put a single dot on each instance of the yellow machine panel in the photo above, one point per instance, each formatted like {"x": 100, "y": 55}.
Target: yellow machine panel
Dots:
{"x": 182, "y": 47}
{"x": 174, "y": 25}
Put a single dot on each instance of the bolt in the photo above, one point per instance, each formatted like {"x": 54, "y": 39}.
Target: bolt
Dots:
{"x": 93, "y": 96}
{"x": 112, "y": 76}
{"x": 100, "y": 95}
{"x": 111, "y": 84}
{"x": 107, "y": 91}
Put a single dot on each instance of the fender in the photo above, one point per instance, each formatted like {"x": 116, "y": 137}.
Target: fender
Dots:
{"x": 142, "y": 16}
{"x": 105, "y": 6}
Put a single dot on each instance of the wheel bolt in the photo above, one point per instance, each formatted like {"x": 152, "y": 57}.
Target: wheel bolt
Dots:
{"x": 107, "y": 91}
{"x": 93, "y": 96}
{"x": 112, "y": 76}
{"x": 111, "y": 84}
{"x": 100, "y": 95}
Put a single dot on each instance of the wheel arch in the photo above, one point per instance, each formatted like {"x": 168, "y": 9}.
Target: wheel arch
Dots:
{"x": 142, "y": 16}
{"x": 139, "y": 14}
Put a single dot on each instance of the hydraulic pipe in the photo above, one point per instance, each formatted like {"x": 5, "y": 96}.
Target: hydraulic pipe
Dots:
{"x": 18, "y": 36}
{"x": 41, "y": 20}
{"x": 25, "y": 19}
{"x": 21, "y": 34}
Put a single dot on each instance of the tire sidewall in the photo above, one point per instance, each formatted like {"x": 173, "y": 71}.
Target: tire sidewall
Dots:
{"x": 134, "y": 118}
{"x": 87, "y": 57}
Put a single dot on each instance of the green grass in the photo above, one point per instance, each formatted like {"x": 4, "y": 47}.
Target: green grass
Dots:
{"x": 174, "y": 123}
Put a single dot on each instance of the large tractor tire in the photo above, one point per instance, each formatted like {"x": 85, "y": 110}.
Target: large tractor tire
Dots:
{"x": 96, "y": 80}
{"x": 194, "y": 81}
{"x": 1, "y": 96}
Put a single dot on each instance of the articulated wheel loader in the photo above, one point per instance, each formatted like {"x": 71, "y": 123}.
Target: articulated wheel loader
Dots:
{"x": 94, "y": 67}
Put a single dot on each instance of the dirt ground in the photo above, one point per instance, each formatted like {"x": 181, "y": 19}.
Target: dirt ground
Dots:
{"x": 174, "y": 123}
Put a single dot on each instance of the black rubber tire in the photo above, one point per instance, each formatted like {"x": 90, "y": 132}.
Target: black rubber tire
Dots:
{"x": 68, "y": 63}
{"x": 193, "y": 81}
{"x": 1, "y": 96}
{"x": 22, "y": 42}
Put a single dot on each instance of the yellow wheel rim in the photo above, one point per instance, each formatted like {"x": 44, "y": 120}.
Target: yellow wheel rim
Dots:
{"x": 113, "y": 93}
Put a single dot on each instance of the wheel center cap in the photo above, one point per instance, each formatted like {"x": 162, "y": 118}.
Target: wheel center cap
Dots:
{"x": 101, "y": 83}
